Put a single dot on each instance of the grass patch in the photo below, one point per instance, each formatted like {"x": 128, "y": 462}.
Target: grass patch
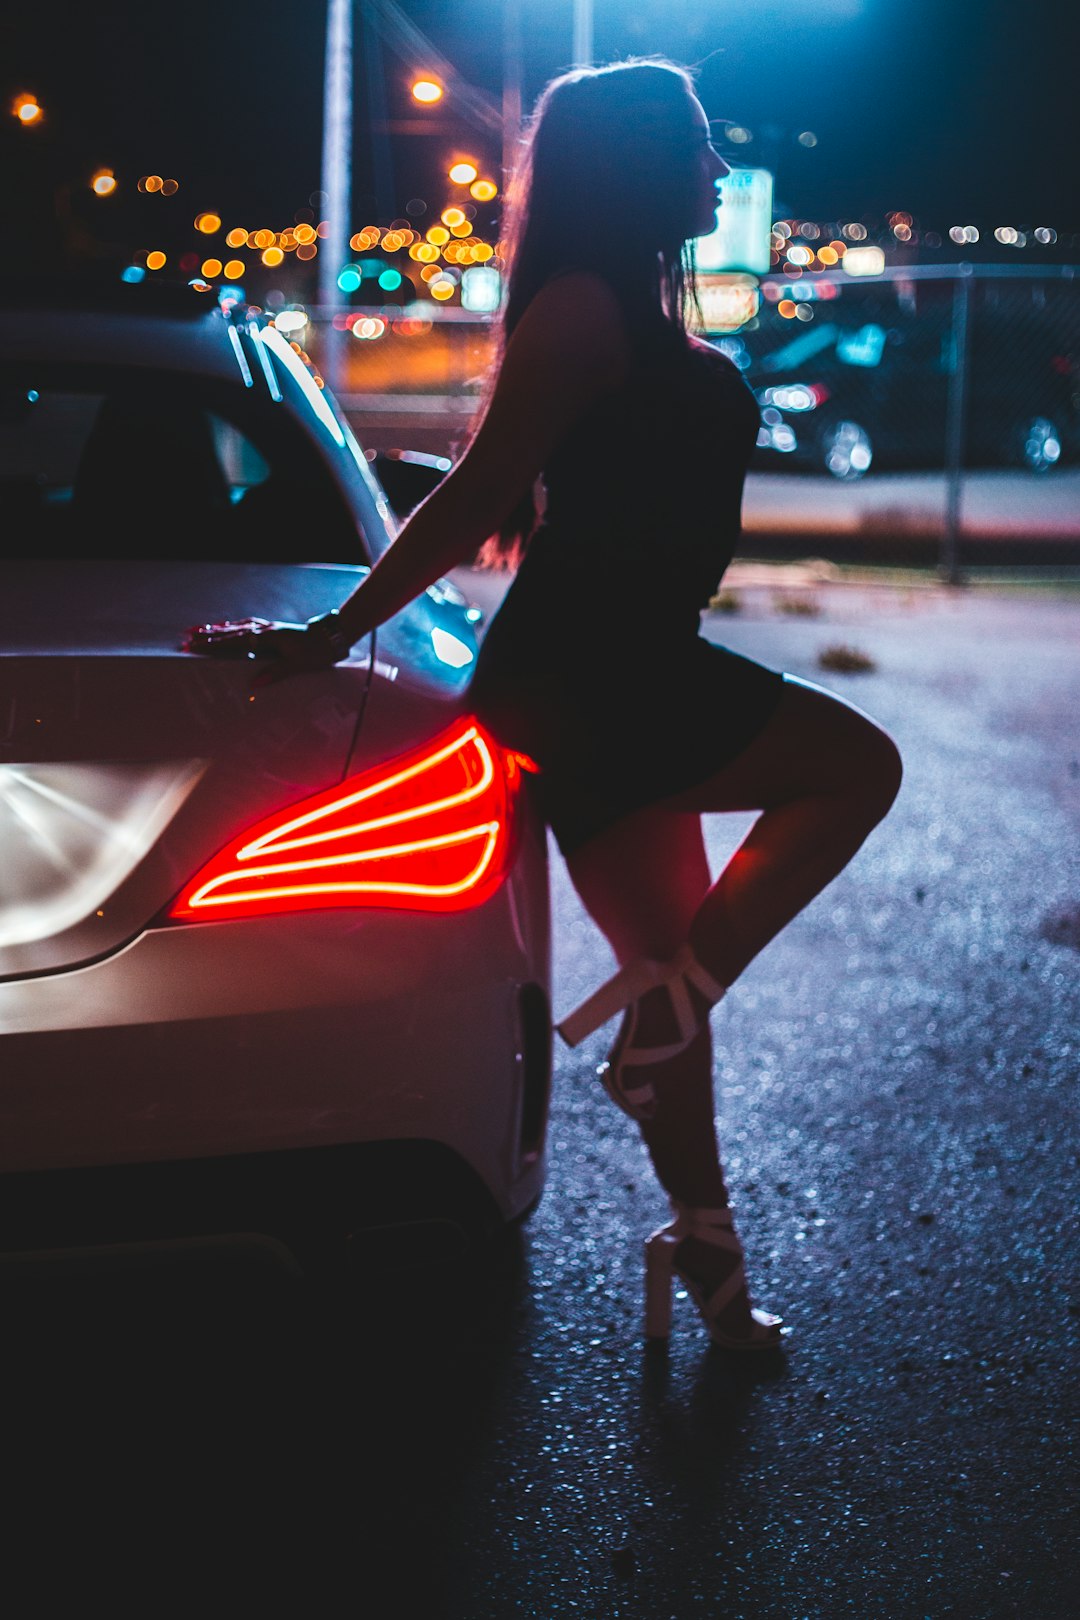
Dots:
{"x": 844, "y": 660}
{"x": 1060, "y": 580}
{"x": 796, "y": 606}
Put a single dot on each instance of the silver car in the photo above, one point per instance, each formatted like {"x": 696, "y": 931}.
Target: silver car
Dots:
{"x": 271, "y": 960}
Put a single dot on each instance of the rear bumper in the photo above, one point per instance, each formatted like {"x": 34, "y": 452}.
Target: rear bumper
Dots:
{"x": 382, "y": 1202}
{"x": 286, "y": 1034}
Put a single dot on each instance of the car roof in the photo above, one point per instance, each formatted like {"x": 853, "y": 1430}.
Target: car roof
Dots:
{"x": 88, "y": 319}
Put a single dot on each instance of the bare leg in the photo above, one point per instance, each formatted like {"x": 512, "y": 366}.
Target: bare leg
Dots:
{"x": 823, "y": 775}
{"x": 652, "y": 917}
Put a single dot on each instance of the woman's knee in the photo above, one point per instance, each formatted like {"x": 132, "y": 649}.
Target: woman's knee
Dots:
{"x": 840, "y": 750}
{"x": 877, "y": 770}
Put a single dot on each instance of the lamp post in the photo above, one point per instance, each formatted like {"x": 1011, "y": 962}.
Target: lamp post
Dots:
{"x": 336, "y": 174}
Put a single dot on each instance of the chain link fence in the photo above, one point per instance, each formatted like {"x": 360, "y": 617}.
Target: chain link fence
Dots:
{"x": 928, "y": 414}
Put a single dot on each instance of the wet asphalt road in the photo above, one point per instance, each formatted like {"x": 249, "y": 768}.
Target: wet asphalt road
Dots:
{"x": 896, "y": 1086}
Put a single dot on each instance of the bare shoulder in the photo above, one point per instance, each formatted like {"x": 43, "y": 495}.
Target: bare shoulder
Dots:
{"x": 567, "y": 351}
{"x": 576, "y": 321}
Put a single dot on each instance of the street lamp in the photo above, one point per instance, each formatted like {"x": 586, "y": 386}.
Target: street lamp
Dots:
{"x": 27, "y": 109}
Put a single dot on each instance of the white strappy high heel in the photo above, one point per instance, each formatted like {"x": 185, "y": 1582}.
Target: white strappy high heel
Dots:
{"x": 763, "y": 1330}
{"x": 622, "y": 1074}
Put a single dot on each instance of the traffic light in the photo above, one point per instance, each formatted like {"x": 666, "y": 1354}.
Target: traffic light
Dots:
{"x": 371, "y": 280}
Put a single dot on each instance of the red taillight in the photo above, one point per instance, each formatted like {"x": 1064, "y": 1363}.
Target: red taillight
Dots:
{"x": 430, "y": 831}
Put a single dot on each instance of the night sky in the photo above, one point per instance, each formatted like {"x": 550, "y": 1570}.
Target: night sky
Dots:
{"x": 953, "y": 110}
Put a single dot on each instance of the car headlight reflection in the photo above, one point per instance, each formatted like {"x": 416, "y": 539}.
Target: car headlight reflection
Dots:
{"x": 794, "y": 396}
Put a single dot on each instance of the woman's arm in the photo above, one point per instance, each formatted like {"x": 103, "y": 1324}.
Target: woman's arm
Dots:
{"x": 569, "y": 347}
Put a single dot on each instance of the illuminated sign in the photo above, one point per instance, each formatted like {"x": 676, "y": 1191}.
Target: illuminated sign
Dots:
{"x": 481, "y": 289}
{"x": 863, "y": 347}
{"x": 727, "y": 302}
{"x": 743, "y": 225}
{"x": 864, "y": 261}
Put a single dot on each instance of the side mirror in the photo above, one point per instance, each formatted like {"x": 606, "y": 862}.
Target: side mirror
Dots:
{"x": 409, "y": 476}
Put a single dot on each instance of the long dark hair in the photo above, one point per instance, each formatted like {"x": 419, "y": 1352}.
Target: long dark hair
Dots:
{"x": 604, "y": 184}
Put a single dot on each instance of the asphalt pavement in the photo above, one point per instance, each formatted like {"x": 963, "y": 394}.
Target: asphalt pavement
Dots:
{"x": 896, "y": 1087}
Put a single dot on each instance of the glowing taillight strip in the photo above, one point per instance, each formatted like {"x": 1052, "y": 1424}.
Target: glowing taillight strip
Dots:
{"x": 415, "y": 872}
{"x": 381, "y": 885}
{"x": 273, "y": 841}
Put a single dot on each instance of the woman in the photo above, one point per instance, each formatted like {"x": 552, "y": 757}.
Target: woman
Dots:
{"x": 594, "y": 665}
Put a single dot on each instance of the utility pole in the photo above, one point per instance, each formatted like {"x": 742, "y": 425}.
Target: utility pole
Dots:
{"x": 382, "y": 162}
{"x": 511, "y": 92}
{"x": 956, "y": 428}
{"x": 583, "y": 33}
{"x": 336, "y": 176}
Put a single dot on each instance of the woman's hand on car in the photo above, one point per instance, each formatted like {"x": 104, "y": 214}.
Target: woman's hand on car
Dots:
{"x": 292, "y": 649}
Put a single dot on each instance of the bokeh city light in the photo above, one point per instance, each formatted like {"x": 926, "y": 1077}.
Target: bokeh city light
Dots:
{"x": 27, "y": 109}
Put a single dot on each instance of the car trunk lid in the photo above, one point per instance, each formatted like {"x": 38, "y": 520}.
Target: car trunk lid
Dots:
{"x": 126, "y": 762}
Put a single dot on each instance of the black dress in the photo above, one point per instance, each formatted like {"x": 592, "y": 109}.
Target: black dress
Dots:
{"x": 594, "y": 664}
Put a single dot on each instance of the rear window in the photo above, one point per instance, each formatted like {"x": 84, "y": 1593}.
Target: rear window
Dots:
{"x": 114, "y": 463}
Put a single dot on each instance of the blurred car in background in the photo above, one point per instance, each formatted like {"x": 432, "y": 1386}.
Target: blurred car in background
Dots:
{"x": 846, "y": 399}
{"x": 271, "y": 961}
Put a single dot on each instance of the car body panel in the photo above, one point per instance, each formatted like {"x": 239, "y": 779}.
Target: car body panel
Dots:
{"x": 185, "y": 1047}
{"x": 80, "y": 690}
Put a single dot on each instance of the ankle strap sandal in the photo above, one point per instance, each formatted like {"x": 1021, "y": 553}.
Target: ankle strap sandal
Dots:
{"x": 720, "y": 1297}
{"x": 621, "y": 1073}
